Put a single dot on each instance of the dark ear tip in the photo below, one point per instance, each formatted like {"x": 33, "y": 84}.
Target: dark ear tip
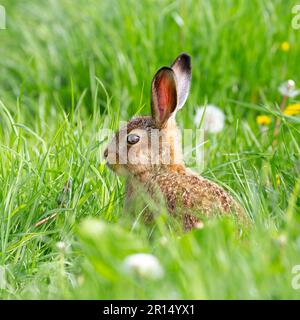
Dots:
{"x": 165, "y": 70}
{"x": 184, "y": 61}
{"x": 184, "y": 57}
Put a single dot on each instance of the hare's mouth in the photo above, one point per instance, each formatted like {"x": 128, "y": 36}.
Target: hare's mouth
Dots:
{"x": 110, "y": 165}
{"x": 115, "y": 167}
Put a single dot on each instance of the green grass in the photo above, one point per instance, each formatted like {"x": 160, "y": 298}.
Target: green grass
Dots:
{"x": 68, "y": 69}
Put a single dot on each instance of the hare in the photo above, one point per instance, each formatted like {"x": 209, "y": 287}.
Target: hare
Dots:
{"x": 185, "y": 193}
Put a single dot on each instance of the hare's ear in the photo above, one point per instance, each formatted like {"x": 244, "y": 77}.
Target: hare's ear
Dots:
{"x": 163, "y": 95}
{"x": 183, "y": 71}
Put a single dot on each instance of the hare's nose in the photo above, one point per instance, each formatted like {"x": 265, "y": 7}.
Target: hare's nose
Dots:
{"x": 105, "y": 153}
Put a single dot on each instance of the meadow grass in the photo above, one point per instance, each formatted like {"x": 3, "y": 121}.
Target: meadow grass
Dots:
{"x": 70, "y": 68}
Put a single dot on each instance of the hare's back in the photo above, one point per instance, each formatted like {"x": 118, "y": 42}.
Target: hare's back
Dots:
{"x": 191, "y": 191}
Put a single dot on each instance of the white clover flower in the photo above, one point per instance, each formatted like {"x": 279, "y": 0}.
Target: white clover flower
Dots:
{"x": 93, "y": 227}
{"x": 199, "y": 225}
{"x": 288, "y": 89}
{"x": 61, "y": 245}
{"x": 163, "y": 240}
{"x": 213, "y": 119}
{"x": 144, "y": 265}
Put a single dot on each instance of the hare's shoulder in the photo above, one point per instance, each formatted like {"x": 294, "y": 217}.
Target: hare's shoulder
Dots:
{"x": 193, "y": 191}
{"x": 189, "y": 181}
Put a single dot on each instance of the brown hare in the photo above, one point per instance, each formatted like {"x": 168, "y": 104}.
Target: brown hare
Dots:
{"x": 158, "y": 168}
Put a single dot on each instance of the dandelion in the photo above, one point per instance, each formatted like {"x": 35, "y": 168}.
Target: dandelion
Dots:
{"x": 278, "y": 180}
{"x": 263, "y": 120}
{"x": 292, "y": 109}
{"x": 285, "y": 46}
{"x": 144, "y": 265}
{"x": 287, "y": 89}
{"x": 213, "y": 118}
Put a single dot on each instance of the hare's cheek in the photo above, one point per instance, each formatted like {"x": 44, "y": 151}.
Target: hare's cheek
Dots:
{"x": 134, "y": 155}
{"x": 139, "y": 155}
{"x": 121, "y": 155}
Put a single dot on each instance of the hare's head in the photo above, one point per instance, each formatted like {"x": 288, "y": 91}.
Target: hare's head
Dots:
{"x": 150, "y": 143}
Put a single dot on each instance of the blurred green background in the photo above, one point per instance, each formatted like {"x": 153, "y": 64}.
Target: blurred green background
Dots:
{"x": 70, "y": 68}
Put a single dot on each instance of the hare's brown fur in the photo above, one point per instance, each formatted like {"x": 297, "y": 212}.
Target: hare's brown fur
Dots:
{"x": 185, "y": 193}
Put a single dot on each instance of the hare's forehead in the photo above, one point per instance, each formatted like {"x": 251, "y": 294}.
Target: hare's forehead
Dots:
{"x": 139, "y": 123}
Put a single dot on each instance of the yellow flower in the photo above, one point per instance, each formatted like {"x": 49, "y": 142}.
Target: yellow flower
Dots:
{"x": 285, "y": 46}
{"x": 292, "y": 109}
{"x": 278, "y": 180}
{"x": 263, "y": 120}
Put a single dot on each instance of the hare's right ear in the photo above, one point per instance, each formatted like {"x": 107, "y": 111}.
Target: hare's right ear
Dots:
{"x": 183, "y": 71}
{"x": 163, "y": 96}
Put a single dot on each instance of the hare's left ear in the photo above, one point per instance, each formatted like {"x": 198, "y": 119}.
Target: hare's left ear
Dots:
{"x": 183, "y": 72}
{"x": 163, "y": 96}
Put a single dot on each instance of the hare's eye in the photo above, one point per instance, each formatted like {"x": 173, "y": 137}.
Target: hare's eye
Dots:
{"x": 133, "y": 138}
